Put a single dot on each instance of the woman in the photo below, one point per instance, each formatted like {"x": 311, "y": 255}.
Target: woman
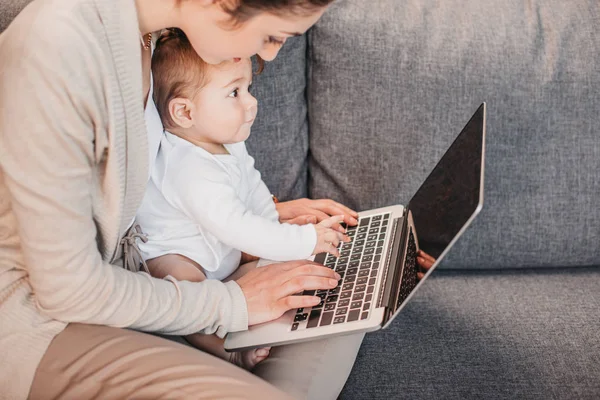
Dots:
{"x": 73, "y": 167}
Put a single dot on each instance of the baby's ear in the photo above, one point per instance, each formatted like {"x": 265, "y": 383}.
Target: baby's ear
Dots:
{"x": 180, "y": 110}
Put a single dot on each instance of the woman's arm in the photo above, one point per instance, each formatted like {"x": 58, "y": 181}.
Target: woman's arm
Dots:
{"x": 52, "y": 102}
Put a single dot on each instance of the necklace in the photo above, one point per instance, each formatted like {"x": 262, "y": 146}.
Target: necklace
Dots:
{"x": 146, "y": 44}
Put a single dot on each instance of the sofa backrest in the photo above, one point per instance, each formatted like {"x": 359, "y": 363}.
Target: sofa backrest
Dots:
{"x": 391, "y": 83}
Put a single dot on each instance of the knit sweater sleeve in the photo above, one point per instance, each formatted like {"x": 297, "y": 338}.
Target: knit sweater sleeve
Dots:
{"x": 52, "y": 101}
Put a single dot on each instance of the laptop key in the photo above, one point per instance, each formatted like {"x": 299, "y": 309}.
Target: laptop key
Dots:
{"x": 350, "y": 278}
{"x": 309, "y": 293}
{"x": 344, "y": 303}
{"x": 364, "y": 315}
{"x": 348, "y": 286}
{"x": 379, "y": 250}
{"x": 353, "y": 315}
{"x": 346, "y": 295}
{"x": 300, "y": 317}
{"x": 358, "y": 296}
{"x": 370, "y": 289}
{"x": 361, "y": 236}
{"x": 373, "y": 230}
{"x": 329, "y": 306}
{"x": 339, "y": 320}
{"x": 364, "y": 221}
{"x": 374, "y": 273}
{"x": 326, "y": 318}
{"x": 355, "y": 256}
{"x": 366, "y": 306}
{"x": 352, "y": 271}
{"x": 372, "y": 281}
{"x": 368, "y": 298}
{"x": 313, "y": 320}
{"x": 363, "y": 272}
{"x": 332, "y": 299}
{"x": 341, "y": 311}
{"x": 376, "y": 223}
{"x": 360, "y": 288}
{"x": 353, "y": 264}
{"x": 368, "y": 258}
{"x": 380, "y": 243}
{"x": 359, "y": 243}
{"x": 377, "y": 217}
{"x": 370, "y": 250}
{"x": 372, "y": 237}
{"x": 335, "y": 290}
{"x": 362, "y": 280}
{"x": 363, "y": 229}
{"x": 355, "y": 304}
{"x": 294, "y": 326}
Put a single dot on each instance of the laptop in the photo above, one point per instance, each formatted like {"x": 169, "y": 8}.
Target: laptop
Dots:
{"x": 378, "y": 266}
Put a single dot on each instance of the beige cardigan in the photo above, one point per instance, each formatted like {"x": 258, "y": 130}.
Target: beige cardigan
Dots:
{"x": 73, "y": 169}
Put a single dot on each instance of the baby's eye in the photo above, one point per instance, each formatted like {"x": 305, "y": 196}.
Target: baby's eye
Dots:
{"x": 234, "y": 93}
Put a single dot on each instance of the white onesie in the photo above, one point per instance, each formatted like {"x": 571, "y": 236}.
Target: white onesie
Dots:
{"x": 210, "y": 208}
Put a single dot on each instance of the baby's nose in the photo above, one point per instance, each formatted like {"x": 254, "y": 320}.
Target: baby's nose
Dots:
{"x": 251, "y": 112}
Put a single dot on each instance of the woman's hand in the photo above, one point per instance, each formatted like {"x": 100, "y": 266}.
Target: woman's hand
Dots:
{"x": 307, "y": 211}
{"x": 270, "y": 290}
{"x": 425, "y": 262}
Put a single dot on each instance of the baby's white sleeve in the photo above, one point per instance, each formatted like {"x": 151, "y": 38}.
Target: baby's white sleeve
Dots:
{"x": 207, "y": 197}
{"x": 261, "y": 201}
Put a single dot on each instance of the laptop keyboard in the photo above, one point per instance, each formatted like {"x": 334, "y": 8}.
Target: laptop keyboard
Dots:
{"x": 358, "y": 266}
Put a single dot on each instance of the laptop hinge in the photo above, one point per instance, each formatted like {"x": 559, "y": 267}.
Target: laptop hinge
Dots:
{"x": 393, "y": 267}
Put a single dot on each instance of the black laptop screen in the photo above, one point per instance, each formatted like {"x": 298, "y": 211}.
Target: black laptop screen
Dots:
{"x": 452, "y": 192}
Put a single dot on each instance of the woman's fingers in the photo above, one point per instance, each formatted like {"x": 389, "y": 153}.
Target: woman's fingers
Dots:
{"x": 426, "y": 256}
{"x": 291, "y": 302}
{"x": 332, "y": 208}
{"x": 425, "y": 260}
{"x": 300, "y": 283}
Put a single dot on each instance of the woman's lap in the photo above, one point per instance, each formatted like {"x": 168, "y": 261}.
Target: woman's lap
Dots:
{"x": 86, "y": 361}
{"x": 311, "y": 370}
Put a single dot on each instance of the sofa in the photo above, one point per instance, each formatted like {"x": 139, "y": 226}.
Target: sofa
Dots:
{"x": 360, "y": 109}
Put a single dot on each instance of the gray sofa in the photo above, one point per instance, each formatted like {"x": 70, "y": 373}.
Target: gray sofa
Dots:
{"x": 360, "y": 109}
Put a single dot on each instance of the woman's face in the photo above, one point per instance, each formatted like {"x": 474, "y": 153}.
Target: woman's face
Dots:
{"x": 211, "y": 32}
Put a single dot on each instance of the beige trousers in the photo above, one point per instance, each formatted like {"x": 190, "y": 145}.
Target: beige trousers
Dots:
{"x": 90, "y": 361}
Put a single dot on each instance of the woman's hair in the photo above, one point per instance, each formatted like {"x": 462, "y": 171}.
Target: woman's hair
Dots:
{"x": 177, "y": 71}
{"x": 243, "y": 10}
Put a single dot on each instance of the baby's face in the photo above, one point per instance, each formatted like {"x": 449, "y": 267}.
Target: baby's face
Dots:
{"x": 224, "y": 109}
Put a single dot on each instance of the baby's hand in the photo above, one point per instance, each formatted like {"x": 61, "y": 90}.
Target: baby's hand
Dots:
{"x": 328, "y": 239}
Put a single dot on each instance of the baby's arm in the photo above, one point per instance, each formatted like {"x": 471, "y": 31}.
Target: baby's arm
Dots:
{"x": 202, "y": 190}
{"x": 260, "y": 199}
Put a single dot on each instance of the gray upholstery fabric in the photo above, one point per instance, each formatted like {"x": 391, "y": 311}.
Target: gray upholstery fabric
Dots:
{"x": 9, "y": 10}
{"x": 530, "y": 334}
{"x": 393, "y": 82}
{"x": 279, "y": 139}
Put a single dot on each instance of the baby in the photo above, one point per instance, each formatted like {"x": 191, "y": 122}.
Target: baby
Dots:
{"x": 206, "y": 208}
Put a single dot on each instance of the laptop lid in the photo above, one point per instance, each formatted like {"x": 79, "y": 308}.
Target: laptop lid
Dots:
{"x": 449, "y": 198}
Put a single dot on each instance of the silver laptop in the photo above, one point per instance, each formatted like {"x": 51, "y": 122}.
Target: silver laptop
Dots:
{"x": 378, "y": 266}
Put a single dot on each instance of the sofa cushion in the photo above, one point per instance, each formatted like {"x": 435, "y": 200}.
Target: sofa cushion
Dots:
{"x": 279, "y": 139}
{"x": 392, "y": 83}
{"x": 528, "y": 334}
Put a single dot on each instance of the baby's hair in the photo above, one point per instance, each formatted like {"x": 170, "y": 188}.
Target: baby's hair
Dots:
{"x": 178, "y": 71}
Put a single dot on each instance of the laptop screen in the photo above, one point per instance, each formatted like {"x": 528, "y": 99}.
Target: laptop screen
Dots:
{"x": 453, "y": 191}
